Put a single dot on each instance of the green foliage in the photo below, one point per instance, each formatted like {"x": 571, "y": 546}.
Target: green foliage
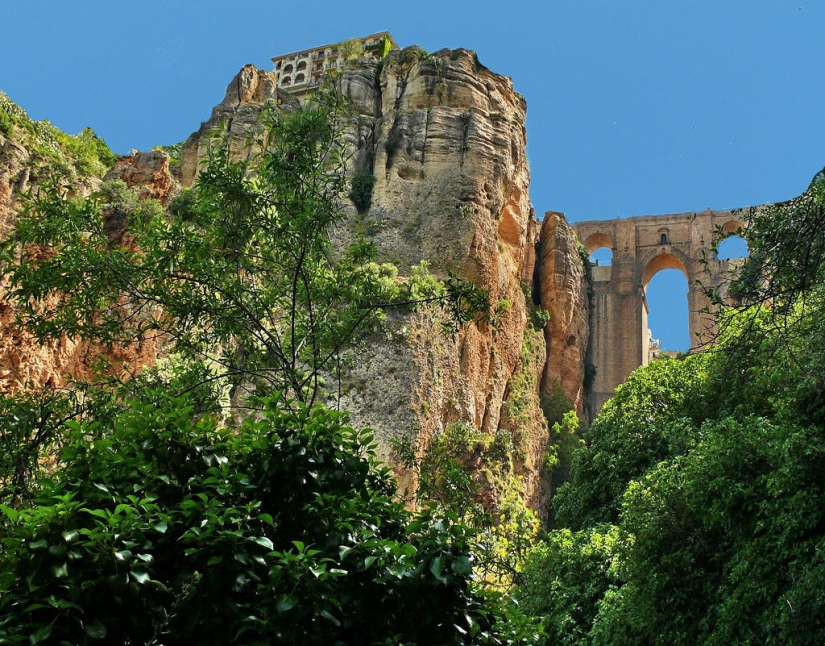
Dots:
{"x": 539, "y": 317}
{"x": 351, "y": 49}
{"x": 381, "y": 48}
{"x": 565, "y": 440}
{"x": 710, "y": 467}
{"x": 90, "y": 151}
{"x": 555, "y": 404}
{"x": 787, "y": 249}
{"x": 422, "y": 285}
{"x": 727, "y": 539}
{"x": 566, "y": 577}
{"x": 361, "y": 191}
{"x": 30, "y": 422}
{"x": 6, "y": 123}
{"x": 155, "y": 523}
{"x": 239, "y": 273}
{"x": 173, "y": 150}
{"x": 588, "y": 272}
{"x": 83, "y": 154}
{"x": 431, "y": 62}
{"x": 165, "y": 527}
{"x": 448, "y": 474}
{"x": 652, "y": 417}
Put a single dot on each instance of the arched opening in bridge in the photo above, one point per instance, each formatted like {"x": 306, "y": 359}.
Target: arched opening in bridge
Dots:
{"x": 665, "y": 308}
{"x": 600, "y": 248}
{"x": 732, "y": 245}
{"x": 602, "y": 257}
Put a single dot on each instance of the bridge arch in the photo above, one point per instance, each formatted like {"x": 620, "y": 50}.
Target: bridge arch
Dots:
{"x": 654, "y": 263}
{"x": 597, "y": 241}
{"x": 643, "y": 246}
{"x": 651, "y": 304}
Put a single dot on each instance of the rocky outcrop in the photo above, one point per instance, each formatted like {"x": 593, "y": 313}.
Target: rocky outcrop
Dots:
{"x": 236, "y": 115}
{"x": 444, "y": 139}
{"x": 147, "y": 172}
{"x": 26, "y": 364}
{"x": 563, "y": 292}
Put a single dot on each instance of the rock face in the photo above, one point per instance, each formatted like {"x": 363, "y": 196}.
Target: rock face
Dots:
{"x": 237, "y": 114}
{"x": 563, "y": 289}
{"x": 445, "y": 140}
{"x": 24, "y": 363}
{"x": 147, "y": 172}
{"x": 14, "y": 179}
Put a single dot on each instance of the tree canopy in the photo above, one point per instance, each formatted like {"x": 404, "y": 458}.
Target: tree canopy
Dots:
{"x": 694, "y": 514}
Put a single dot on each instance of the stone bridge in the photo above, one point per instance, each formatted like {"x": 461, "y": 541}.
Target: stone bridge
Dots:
{"x": 643, "y": 246}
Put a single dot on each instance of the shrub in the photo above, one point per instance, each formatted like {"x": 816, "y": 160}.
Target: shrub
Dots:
{"x": 361, "y": 192}
{"x": 166, "y": 527}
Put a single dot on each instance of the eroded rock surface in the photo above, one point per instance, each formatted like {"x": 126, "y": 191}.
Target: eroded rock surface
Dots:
{"x": 25, "y": 364}
{"x": 563, "y": 291}
{"x": 445, "y": 139}
{"x": 147, "y": 172}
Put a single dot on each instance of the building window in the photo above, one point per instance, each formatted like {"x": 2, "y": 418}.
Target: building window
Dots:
{"x": 278, "y": 65}
{"x": 286, "y": 80}
{"x": 300, "y": 78}
{"x": 663, "y": 239}
{"x": 287, "y": 69}
{"x": 301, "y": 66}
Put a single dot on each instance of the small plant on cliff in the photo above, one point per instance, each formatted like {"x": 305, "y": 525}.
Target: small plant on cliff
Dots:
{"x": 6, "y": 123}
{"x": 173, "y": 150}
{"x": 84, "y": 154}
{"x": 351, "y": 49}
{"x": 361, "y": 192}
{"x": 539, "y": 317}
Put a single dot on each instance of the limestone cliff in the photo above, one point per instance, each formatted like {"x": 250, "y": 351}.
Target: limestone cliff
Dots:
{"x": 563, "y": 289}
{"x": 445, "y": 139}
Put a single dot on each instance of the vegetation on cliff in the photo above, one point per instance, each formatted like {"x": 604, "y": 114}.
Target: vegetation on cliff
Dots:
{"x": 74, "y": 157}
{"x": 695, "y": 513}
{"x": 212, "y": 499}
{"x": 160, "y": 519}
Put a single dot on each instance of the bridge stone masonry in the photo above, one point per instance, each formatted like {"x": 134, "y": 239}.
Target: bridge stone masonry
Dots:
{"x": 641, "y": 247}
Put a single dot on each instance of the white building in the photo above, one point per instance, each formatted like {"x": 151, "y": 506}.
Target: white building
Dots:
{"x": 300, "y": 72}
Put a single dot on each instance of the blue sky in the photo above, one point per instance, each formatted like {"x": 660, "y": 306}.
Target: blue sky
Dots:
{"x": 634, "y": 107}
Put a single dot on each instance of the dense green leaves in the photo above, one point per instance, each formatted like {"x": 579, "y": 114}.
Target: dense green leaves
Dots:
{"x": 709, "y": 470}
{"x": 164, "y": 527}
{"x": 159, "y": 519}
{"x": 652, "y": 417}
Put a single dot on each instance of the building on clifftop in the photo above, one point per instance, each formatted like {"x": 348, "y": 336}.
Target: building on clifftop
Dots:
{"x": 301, "y": 72}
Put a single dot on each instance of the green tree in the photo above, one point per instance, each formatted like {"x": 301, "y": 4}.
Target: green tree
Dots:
{"x": 653, "y": 417}
{"x": 166, "y": 528}
{"x": 709, "y": 469}
{"x": 161, "y": 522}
{"x": 566, "y": 579}
{"x": 239, "y": 274}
